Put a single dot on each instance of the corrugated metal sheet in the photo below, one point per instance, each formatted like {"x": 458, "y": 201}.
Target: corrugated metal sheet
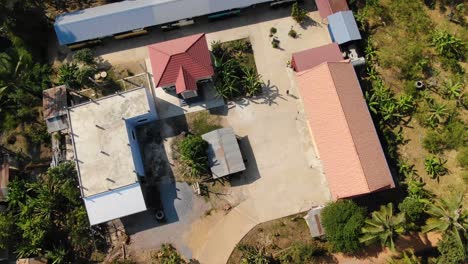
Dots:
{"x": 328, "y": 7}
{"x": 343, "y": 131}
{"x": 115, "y": 204}
{"x": 106, "y": 20}
{"x": 314, "y": 222}
{"x": 307, "y": 59}
{"x": 223, "y": 152}
{"x": 54, "y": 101}
{"x": 168, "y": 57}
{"x": 343, "y": 27}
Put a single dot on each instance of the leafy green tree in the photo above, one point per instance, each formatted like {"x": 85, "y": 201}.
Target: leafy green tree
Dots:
{"x": 85, "y": 56}
{"x": 448, "y": 215}
{"x": 435, "y": 167}
{"x": 6, "y": 229}
{"x": 298, "y": 14}
{"x": 342, "y": 221}
{"x": 413, "y": 208}
{"x": 384, "y": 226}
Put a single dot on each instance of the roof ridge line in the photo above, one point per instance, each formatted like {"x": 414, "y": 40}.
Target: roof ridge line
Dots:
{"x": 347, "y": 124}
{"x": 193, "y": 43}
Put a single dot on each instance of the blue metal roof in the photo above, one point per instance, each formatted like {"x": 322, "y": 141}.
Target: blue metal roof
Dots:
{"x": 343, "y": 27}
{"x": 110, "y": 19}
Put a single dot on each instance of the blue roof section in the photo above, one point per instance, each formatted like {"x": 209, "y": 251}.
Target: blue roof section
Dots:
{"x": 343, "y": 27}
{"x": 110, "y": 19}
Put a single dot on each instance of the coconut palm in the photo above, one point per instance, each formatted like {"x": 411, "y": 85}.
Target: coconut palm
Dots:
{"x": 448, "y": 215}
{"x": 435, "y": 167}
{"x": 384, "y": 226}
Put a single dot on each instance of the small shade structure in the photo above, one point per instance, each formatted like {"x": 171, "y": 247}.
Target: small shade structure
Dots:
{"x": 330, "y": 7}
{"x": 314, "y": 221}
{"x": 310, "y": 58}
{"x": 224, "y": 154}
{"x": 343, "y": 28}
{"x": 54, "y": 102}
{"x": 342, "y": 131}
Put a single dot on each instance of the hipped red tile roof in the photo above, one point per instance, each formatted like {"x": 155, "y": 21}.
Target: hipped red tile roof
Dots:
{"x": 185, "y": 81}
{"x": 310, "y": 58}
{"x": 329, "y": 7}
{"x": 188, "y": 54}
{"x": 343, "y": 131}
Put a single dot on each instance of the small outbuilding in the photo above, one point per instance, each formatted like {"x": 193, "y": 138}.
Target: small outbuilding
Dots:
{"x": 224, "y": 155}
{"x": 54, "y": 101}
{"x": 343, "y": 28}
{"x": 314, "y": 221}
{"x": 330, "y": 7}
{"x": 307, "y": 59}
{"x": 181, "y": 63}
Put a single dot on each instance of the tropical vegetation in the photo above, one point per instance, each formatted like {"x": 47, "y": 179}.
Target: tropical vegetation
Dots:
{"x": 298, "y": 14}
{"x": 342, "y": 221}
{"x": 193, "y": 155}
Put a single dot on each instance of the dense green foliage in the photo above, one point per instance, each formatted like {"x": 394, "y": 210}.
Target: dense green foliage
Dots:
{"x": 193, "y": 154}
{"x": 451, "y": 250}
{"x": 384, "y": 226}
{"x": 168, "y": 255}
{"x": 342, "y": 221}
{"x": 301, "y": 252}
{"x": 49, "y": 218}
{"x": 435, "y": 167}
{"x": 85, "y": 56}
{"x": 235, "y": 69}
{"x": 253, "y": 255}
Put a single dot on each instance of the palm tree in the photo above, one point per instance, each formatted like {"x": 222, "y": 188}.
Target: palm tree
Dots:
{"x": 384, "y": 226}
{"x": 448, "y": 215}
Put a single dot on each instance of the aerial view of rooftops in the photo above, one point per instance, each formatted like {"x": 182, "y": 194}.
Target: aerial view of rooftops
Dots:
{"x": 233, "y": 131}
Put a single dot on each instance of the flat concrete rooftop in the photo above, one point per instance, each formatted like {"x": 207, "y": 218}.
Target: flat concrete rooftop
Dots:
{"x": 102, "y": 144}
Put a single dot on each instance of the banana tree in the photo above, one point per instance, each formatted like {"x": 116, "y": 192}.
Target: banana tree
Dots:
{"x": 435, "y": 167}
{"x": 437, "y": 113}
{"x": 252, "y": 81}
{"x": 384, "y": 226}
{"x": 453, "y": 89}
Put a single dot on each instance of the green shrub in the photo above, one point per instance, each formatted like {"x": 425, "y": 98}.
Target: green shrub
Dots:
{"x": 435, "y": 167}
{"x": 254, "y": 255}
{"x": 298, "y": 14}
{"x": 413, "y": 208}
{"x": 6, "y": 229}
{"x": 292, "y": 33}
{"x": 67, "y": 75}
{"x": 451, "y": 250}
{"x": 167, "y": 255}
{"x": 455, "y": 134}
{"x": 85, "y": 56}
{"x": 448, "y": 45}
{"x": 342, "y": 221}
{"x": 462, "y": 157}
{"x": 275, "y": 43}
{"x": 193, "y": 152}
{"x": 434, "y": 142}
{"x": 273, "y": 31}
{"x": 301, "y": 252}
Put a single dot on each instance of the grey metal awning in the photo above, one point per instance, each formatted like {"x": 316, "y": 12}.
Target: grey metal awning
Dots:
{"x": 223, "y": 152}
{"x": 343, "y": 27}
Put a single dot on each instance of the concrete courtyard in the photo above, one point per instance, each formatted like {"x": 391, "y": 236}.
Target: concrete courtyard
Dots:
{"x": 283, "y": 175}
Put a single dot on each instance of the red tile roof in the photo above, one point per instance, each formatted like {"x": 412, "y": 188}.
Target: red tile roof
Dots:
{"x": 185, "y": 81}
{"x": 190, "y": 54}
{"x": 343, "y": 132}
{"x": 329, "y": 7}
{"x": 310, "y": 58}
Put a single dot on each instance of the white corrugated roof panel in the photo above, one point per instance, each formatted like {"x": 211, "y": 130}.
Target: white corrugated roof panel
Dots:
{"x": 115, "y": 204}
{"x": 343, "y": 27}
